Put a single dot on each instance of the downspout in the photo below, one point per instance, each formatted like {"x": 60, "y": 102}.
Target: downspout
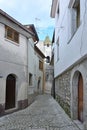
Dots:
{"x": 36, "y": 81}
{"x": 53, "y": 86}
{"x": 27, "y": 65}
{"x": 43, "y": 78}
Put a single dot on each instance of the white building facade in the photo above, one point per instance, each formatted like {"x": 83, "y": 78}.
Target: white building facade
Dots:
{"x": 70, "y": 56}
{"x": 35, "y": 71}
{"x": 14, "y": 40}
{"x": 46, "y": 47}
{"x": 39, "y": 70}
{"x": 35, "y": 66}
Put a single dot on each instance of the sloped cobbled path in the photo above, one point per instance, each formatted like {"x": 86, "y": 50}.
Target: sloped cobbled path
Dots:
{"x": 43, "y": 114}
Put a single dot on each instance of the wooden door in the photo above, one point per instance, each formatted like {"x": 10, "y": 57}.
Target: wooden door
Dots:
{"x": 80, "y": 98}
{"x": 10, "y": 92}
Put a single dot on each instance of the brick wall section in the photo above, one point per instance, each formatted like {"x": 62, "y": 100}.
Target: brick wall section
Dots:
{"x": 62, "y": 91}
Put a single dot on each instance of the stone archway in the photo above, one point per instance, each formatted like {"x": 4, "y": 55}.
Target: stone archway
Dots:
{"x": 77, "y": 96}
{"x": 10, "y": 92}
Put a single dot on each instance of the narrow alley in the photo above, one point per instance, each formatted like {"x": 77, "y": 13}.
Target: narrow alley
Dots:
{"x": 43, "y": 114}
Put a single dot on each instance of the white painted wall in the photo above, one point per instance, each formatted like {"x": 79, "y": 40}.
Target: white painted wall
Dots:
{"x": 70, "y": 49}
{"x": 15, "y": 52}
{"x": 13, "y": 60}
{"x": 31, "y": 65}
{"x": 38, "y": 73}
{"x": 33, "y": 68}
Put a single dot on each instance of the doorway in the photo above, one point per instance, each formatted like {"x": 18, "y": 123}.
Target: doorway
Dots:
{"x": 10, "y": 92}
{"x": 77, "y": 96}
{"x": 80, "y": 98}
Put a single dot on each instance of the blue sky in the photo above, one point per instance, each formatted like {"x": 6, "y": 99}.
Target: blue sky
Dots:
{"x": 35, "y": 12}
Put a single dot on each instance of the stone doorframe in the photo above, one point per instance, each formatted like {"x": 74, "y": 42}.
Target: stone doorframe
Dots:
{"x": 74, "y": 93}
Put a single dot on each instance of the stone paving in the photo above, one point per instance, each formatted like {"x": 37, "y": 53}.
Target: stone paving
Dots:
{"x": 43, "y": 114}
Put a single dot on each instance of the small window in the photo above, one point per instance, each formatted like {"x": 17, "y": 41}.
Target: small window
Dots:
{"x": 58, "y": 10}
{"x": 16, "y": 37}
{"x": 40, "y": 65}
{"x": 75, "y": 15}
{"x": 11, "y": 34}
{"x": 76, "y": 8}
{"x": 30, "y": 79}
{"x": 78, "y": 16}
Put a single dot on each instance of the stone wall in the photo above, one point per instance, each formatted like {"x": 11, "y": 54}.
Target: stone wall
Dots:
{"x": 62, "y": 91}
{"x": 66, "y": 90}
{"x": 31, "y": 98}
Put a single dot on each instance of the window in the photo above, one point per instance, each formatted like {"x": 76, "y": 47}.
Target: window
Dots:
{"x": 40, "y": 65}
{"x": 11, "y": 34}
{"x": 78, "y": 15}
{"x": 58, "y": 11}
{"x": 30, "y": 79}
{"x": 75, "y": 12}
{"x": 76, "y": 8}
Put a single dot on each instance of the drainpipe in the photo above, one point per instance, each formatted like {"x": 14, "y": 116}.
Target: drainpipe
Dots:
{"x": 43, "y": 77}
{"x": 27, "y": 66}
{"x": 53, "y": 86}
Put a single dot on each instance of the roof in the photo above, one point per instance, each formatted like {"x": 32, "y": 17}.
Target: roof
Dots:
{"x": 39, "y": 51}
{"x": 31, "y": 27}
{"x": 15, "y": 21}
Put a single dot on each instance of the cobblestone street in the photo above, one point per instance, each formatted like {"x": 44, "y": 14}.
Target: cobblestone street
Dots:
{"x": 43, "y": 114}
